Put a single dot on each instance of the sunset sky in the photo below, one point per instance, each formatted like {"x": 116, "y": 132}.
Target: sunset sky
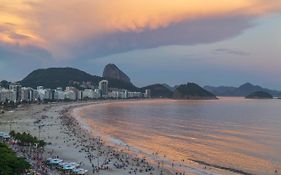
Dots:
{"x": 210, "y": 42}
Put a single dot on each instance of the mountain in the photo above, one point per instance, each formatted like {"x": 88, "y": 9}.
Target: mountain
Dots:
{"x": 169, "y": 87}
{"x": 159, "y": 91}
{"x": 5, "y": 84}
{"x": 192, "y": 91}
{"x": 242, "y": 91}
{"x": 221, "y": 90}
{"x": 259, "y": 95}
{"x": 113, "y": 72}
{"x": 62, "y": 77}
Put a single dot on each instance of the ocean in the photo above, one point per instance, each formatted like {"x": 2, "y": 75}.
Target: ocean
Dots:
{"x": 231, "y": 133}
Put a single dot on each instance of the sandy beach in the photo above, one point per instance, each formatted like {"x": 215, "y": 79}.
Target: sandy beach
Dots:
{"x": 68, "y": 141}
{"x": 69, "y": 138}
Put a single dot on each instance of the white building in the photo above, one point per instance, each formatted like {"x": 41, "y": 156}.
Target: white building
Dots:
{"x": 147, "y": 93}
{"x": 59, "y": 94}
{"x": 26, "y": 94}
{"x": 44, "y": 94}
{"x": 88, "y": 93}
{"x": 118, "y": 94}
{"x": 48, "y": 94}
{"x": 103, "y": 86}
{"x": 17, "y": 89}
{"x": 97, "y": 93}
{"x": 80, "y": 95}
{"x": 35, "y": 95}
{"x": 70, "y": 95}
{"x": 134, "y": 94}
{"x": 7, "y": 94}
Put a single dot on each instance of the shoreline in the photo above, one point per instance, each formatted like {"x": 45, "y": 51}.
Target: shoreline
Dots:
{"x": 68, "y": 141}
{"x": 193, "y": 167}
{"x": 114, "y": 144}
{"x": 72, "y": 141}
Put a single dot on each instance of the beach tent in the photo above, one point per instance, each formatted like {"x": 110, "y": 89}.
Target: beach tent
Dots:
{"x": 68, "y": 167}
{"x": 1, "y": 133}
{"x": 55, "y": 161}
{"x": 80, "y": 171}
{"x": 5, "y": 135}
{"x": 62, "y": 164}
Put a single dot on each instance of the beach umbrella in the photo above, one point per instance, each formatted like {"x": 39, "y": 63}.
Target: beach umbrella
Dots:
{"x": 68, "y": 167}
{"x": 80, "y": 171}
{"x": 55, "y": 161}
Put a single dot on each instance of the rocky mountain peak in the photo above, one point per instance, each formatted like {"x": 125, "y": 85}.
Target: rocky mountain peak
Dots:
{"x": 113, "y": 72}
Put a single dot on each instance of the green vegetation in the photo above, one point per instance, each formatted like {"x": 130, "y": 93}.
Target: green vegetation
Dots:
{"x": 27, "y": 139}
{"x": 10, "y": 164}
{"x": 62, "y": 77}
{"x": 5, "y": 84}
{"x": 159, "y": 91}
{"x": 259, "y": 95}
{"x": 192, "y": 91}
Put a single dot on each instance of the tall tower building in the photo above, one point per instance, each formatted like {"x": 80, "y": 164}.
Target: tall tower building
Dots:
{"x": 103, "y": 86}
{"x": 17, "y": 89}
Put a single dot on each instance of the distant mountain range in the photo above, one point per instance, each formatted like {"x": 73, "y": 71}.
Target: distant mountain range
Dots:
{"x": 63, "y": 77}
{"x": 242, "y": 90}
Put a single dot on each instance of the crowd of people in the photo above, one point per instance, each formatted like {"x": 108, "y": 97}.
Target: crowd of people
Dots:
{"x": 101, "y": 156}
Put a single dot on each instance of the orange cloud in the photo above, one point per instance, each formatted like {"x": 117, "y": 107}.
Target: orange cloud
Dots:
{"x": 14, "y": 28}
{"x": 58, "y": 25}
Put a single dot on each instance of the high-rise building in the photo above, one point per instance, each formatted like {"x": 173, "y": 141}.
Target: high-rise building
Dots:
{"x": 72, "y": 90}
{"x": 147, "y": 93}
{"x": 17, "y": 88}
{"x": 59, "y": 94}
{"x": 7, "y": 94}
{"x": 88, "y": 94}
{"x": 26, "y": 94}
{"x": 103, "y": 86}
{"x": 70, "y": 95}
{"x": 80, "y": 95}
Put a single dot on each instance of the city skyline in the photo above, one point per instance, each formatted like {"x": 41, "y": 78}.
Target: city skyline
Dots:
{"x": 210, "y": 43}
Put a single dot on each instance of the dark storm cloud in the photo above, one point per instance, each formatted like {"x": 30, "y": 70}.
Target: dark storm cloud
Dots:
{"x": 183, "y": 33}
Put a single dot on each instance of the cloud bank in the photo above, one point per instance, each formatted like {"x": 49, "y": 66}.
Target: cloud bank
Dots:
{"x": 81, "y": 29}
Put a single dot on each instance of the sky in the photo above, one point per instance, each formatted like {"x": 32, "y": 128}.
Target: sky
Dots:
{"x": 209, "y": 42}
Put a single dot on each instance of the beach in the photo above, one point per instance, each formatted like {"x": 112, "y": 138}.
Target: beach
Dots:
{"x": 66, "y": 139}
{"x": 71, "y": 137}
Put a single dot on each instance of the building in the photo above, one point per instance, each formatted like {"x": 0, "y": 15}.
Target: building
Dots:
{"x": 26, "y": 94}
{"x": 17, "y": 88}
{"x": 118, "y": 93}
{"x": 35, "y": 95}
{"x": 7, "y": 94}
{"x": 49, "y": 95}
{"x": 40, "y": 88}
{"x": 70, "y": 95}
{"x": 59, "y": 94}
{"x": 97, "y": 93}
{"x": 88, "y": 94}
{"x": 135, "y": 95}
{"x": 147, "y": 93}
{"x": 80, "y": 95}
{"x": 45, "y": 94}
{"x": 103, "y": 86}
{"x": 71, "y": 90}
